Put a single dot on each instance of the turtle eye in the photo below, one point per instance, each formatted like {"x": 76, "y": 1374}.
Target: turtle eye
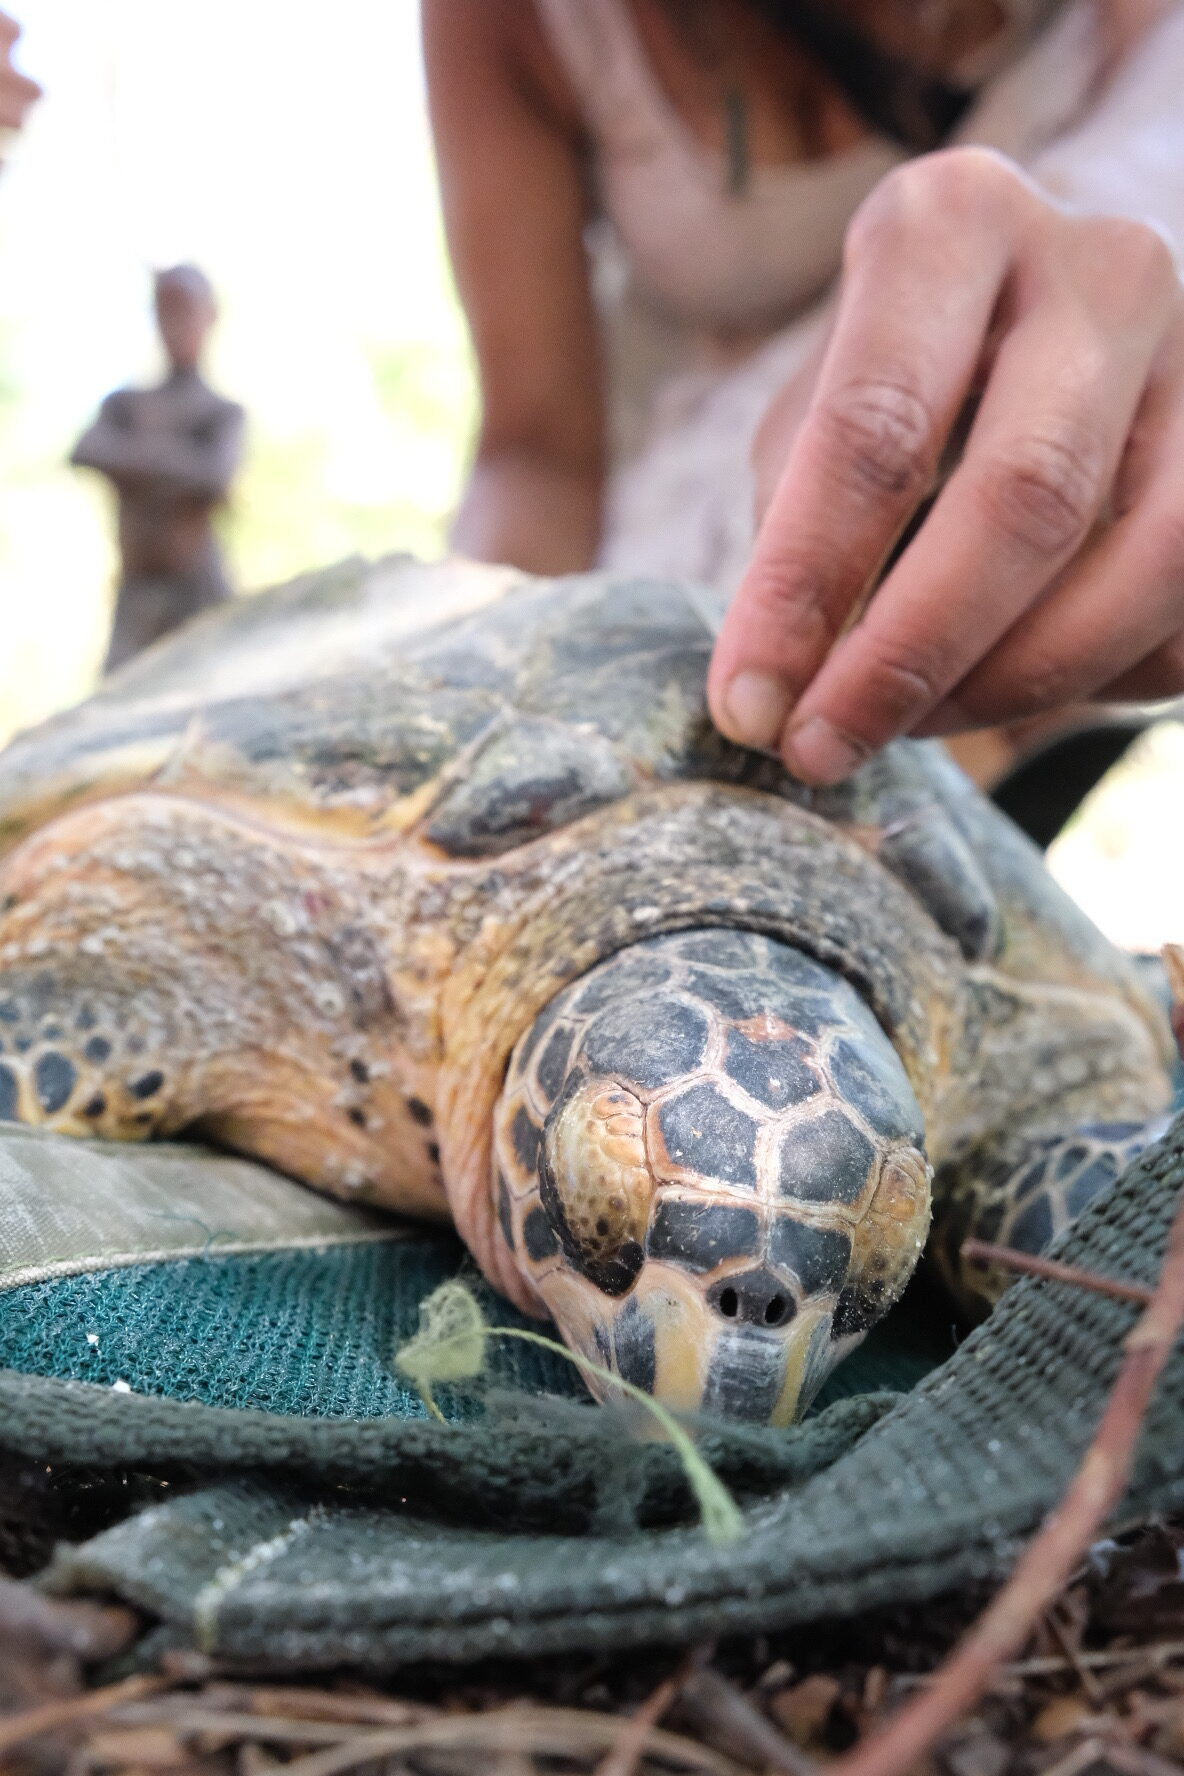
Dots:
{"x": 595, "y": 1183}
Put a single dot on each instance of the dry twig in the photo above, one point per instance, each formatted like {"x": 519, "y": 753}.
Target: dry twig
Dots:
{"x": 714, "y": 1702}
{"x": 1093, "y": 1493}
{"x": 32, "y": 1722}
{"x": 542, "y": 1732}
{"x": 1054, "y": 1272}
{"x": 295, "y": 1702}
{"x": 1154, "y": 1657}
{"x": 622, "y": 1760}
{"x": 1114, "y": 1754}
{"x": 87, "y": 1631}
{"x": 1091, "y": 1688}
{"x": 231, "y": 1725}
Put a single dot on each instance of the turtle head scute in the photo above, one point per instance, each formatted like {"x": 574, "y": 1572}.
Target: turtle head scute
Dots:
{"x": 717, "y": 1179}
{"x": 594, "y": 1181}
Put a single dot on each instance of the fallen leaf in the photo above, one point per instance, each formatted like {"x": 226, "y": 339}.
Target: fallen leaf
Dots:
{"x": 1061, "y": 1716}
{"x": 804, "y": 1710}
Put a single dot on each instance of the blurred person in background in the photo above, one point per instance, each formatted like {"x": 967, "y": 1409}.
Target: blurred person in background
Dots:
{"x": 170, "y": 453}
{"x": 17, "y": 91}
{"x": 726, "y": 256}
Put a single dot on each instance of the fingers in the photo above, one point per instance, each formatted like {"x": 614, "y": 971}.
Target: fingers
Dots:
{"x": 1160, "y": 675}
{"x": 1109, "y": 631}
{"x": 1110, "y": 627}
{"x": 1041, "y": 458}
{"x": 920, "y": 286}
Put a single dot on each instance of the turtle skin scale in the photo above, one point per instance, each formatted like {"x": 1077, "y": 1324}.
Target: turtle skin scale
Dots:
{"x": 436, "y": 888}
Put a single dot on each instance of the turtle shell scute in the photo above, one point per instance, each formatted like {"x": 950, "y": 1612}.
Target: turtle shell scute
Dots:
{"x": 776, "y": 1072}
{"x": 818, "y": 1256}
{"x": 702, "y": 1132}
{"x": 551, "y": 1067}
{"x": 647, "y": 1046}
{"x": 699, "y": 1234}
{"x": 598, "y": 1213}
{"x": 883, "y": 1096}
{"x": 729, "y": 950}
{"x": 632, "y": 971}
{"x": 826, "y": 1159}
{"x": 534, "y": 776}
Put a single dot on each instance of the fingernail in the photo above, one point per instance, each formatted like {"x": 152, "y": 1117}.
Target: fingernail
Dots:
{"x": 757, "y": 706}
{"x": 820, "y": 754}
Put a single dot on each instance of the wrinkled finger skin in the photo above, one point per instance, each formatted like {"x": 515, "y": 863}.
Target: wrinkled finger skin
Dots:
{"x": 1050, "y": 566}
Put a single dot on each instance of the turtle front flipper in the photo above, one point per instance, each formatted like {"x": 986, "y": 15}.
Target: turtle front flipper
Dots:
{"x": 1022, "y": 1190}
{"x": 165, "y": 970}
{"x": 710, "y": 1167}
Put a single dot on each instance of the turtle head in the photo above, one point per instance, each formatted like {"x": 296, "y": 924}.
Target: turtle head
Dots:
{"x": 711, "y": 1169}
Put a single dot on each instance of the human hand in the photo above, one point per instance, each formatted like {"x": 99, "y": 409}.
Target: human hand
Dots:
{"x": 17, "y": 91}
{"x": 1050, "y": 568}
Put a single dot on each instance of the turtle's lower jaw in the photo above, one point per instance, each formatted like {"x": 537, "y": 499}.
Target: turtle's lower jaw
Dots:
{"x": 745, "y": 1349}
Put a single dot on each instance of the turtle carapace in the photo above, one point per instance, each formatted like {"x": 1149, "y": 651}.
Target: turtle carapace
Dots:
{"x": 435, "y": 888}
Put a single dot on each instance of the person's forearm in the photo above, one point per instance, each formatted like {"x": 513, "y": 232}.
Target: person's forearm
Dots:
{"x": 155, "y": 457}
{"x": 531, "y": 512}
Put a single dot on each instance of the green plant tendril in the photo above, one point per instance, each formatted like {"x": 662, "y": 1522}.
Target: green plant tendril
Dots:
{"x": 450, "y": 1346}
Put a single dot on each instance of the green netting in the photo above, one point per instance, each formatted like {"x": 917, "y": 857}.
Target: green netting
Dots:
{"x": 871, "y": 1502}
{"x": 311, "y": 1333}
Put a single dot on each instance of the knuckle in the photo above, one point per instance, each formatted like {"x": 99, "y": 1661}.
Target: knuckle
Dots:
{"x": 1039, "y": 680}
{"x": 1143, "y": 252}
{"x": 882, "y": 434}
{"x": 1045, "y": 490}
{"x": 785, "y": 594}
{"x": 971, "y": 175}
{"x": 953, "y": 181}
{"x": 904, "y": 683}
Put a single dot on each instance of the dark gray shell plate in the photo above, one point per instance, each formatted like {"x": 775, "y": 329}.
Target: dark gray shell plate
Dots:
{"x": 505, "y": 707}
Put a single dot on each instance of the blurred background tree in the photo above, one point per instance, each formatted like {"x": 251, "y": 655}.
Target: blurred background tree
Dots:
{"x": 283, "y": 147}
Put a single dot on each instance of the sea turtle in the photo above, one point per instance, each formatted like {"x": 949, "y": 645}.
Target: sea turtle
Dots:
{"x": 435, "y": 887}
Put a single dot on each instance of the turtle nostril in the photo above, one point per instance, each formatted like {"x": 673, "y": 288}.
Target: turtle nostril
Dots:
{"x": 754, "y": 1298}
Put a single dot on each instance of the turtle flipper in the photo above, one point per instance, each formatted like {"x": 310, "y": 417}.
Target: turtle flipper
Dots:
{"x": 79, "y": 1062}
{"x": 166, "y": 971}
{"x": 1023, "y": 1193}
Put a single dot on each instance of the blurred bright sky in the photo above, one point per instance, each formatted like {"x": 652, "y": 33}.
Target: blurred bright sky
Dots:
{"x": 283, "y": 147}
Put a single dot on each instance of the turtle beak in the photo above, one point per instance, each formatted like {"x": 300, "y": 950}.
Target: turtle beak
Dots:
{"x": 743, "y": 1349}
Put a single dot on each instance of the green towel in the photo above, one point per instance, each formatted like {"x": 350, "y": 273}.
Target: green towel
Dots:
{"x": 336, "y": 1524}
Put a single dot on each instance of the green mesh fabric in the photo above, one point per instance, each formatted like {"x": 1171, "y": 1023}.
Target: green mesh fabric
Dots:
{"x": 311, "y": 1333}
{"x": 871, "y": 1502}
